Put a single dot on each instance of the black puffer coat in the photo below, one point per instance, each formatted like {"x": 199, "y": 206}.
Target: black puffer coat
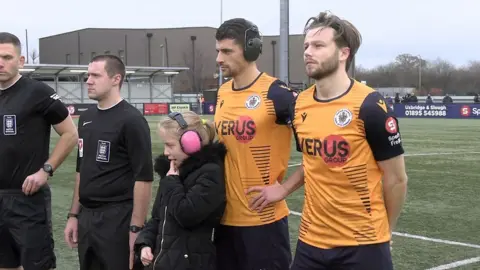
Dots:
{"x": 187, "y": 208}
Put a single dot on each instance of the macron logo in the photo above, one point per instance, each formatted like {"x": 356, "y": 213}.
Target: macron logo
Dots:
{"x": 304, "y": 116}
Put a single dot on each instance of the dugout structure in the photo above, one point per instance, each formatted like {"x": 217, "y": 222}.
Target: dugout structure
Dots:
{"x": 141, "y": 85}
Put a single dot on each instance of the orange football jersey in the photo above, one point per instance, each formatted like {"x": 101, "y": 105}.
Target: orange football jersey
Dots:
{"x": 253, "y": 124}
{"x": 341, "y": 140}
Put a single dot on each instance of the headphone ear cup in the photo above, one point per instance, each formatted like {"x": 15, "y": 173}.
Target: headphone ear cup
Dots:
{"x": 253, "y": 49}
{"x": 190, "y": 142}
{"x": 257, "y": 44}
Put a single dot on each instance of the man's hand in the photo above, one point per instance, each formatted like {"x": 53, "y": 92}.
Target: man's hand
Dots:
{"x": 173, "y": 170}
{"x": 266, "y": 195}
{"x": 146, "y": 256}
{"x": 71, "y": 232}
{"x": 34, "y": 182}
{"x": 132, "y": 237}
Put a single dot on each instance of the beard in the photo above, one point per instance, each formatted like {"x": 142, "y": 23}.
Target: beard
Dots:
{"x": 230, "y": 71}
{"x": 234, "y": 68}
{"x": 227, "y": 72}
{"x": 327, "y": 68}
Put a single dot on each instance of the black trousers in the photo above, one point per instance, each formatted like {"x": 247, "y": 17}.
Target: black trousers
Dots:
{"x": 103, "y": 237}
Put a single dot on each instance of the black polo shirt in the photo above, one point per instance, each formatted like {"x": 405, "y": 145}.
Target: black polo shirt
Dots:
{"x": 28, "y": 109}
{"x": 114, "y": 151}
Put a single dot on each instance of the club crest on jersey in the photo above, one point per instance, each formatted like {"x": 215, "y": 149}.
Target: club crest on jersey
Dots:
{"x": 343, "y": 117}
{"x": 9, "y": 125}
{"x": 253, "y": 102}
{"x": 103, "y": 151}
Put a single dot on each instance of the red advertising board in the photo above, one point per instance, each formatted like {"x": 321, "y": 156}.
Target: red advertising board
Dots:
{"x": 155, "y": 108}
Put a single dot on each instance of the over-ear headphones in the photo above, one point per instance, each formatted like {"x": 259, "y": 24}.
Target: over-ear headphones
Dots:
{"x": 253, "y": 43}
{"x": 190, "y": 141}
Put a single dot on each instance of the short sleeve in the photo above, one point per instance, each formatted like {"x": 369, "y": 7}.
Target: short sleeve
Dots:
{"x": 282, "y": 98}
{"x": 381, "y": 127}
{"x": 48, "y": 104}
{"x": 291, "y": 112}
{"x": 139, "y": 147}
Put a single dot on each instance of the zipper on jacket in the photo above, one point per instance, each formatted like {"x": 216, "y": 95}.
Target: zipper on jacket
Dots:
{"x": 161, "y": 242}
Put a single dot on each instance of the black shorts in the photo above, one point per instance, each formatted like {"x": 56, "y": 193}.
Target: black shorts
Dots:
{"x": 103, "y": 237}
{"x": 26, "y": 230}
{"x": 367, "y": 257}
{"x": 265, "y": 247}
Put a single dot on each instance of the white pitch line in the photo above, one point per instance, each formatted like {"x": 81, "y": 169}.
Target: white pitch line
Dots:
{"x": 295, "y": 213}
{"x": 439, "y": 154}
{"x": 419, "y": 237}
{"x": 456, "y": 264}
{"x": 448, "y": 242}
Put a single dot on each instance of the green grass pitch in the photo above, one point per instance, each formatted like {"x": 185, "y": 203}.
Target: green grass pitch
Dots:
{"x": 443, "y": 165}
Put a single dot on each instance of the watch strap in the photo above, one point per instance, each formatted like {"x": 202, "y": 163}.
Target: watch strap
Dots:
{"x": 135, "y": 229}
{"x": 70, "y": 215}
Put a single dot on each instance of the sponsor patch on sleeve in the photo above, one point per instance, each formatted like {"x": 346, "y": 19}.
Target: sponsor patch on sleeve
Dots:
{"x": 391, "y": 125}
{"x": 80, "y": 147}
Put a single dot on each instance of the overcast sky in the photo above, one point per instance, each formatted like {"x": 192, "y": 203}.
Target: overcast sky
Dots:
{"x": 432, "y": 29}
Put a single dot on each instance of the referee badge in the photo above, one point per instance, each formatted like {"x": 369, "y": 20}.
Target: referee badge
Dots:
{"x": 103, "y": 151}
{"x": 9, "y": 125}
{"x": 343, "y": 117}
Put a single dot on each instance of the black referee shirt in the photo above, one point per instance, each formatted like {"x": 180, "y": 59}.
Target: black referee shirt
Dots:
{"x": 114, "y": 151}
{"x": 27, "y": 110}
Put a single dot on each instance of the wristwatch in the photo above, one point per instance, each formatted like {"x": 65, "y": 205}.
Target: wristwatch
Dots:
{"x": 48, "y": 169}
{"x": 72, "y": 215}
{"x": 135, "y": 229}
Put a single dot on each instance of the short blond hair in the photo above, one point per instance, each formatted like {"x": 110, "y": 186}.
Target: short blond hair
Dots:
{"x": 205, "y": 128}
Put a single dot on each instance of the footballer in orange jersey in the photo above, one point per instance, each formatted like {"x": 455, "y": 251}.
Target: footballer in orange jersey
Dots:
{"x": 353, "y": 168}
{"x": 252, "y": 120}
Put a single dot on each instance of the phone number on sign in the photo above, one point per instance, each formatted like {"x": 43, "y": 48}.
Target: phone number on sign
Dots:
{"x": 425, "y": 113}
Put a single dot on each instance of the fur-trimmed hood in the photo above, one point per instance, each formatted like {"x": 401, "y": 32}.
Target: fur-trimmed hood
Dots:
{"x": 210, "y": 153}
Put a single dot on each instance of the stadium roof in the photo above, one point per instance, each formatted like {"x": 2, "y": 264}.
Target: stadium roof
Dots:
{"x": 50, "y": 69}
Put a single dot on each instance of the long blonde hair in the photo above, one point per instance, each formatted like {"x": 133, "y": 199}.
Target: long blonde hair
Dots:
{"x": 205, "y": 128}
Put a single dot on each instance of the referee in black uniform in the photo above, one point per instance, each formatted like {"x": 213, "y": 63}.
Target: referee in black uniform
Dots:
{"x": 114, "y": 173}
{"x": 28, "y": 110}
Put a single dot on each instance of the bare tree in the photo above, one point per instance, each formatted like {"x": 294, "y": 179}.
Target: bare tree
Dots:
{"x": 436, "y": 77}
{"x": 441, "y": 74}
{"x": 196, "y": 70}
{"x": 471, "y": 77}
{"x": 34, "y": 55}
